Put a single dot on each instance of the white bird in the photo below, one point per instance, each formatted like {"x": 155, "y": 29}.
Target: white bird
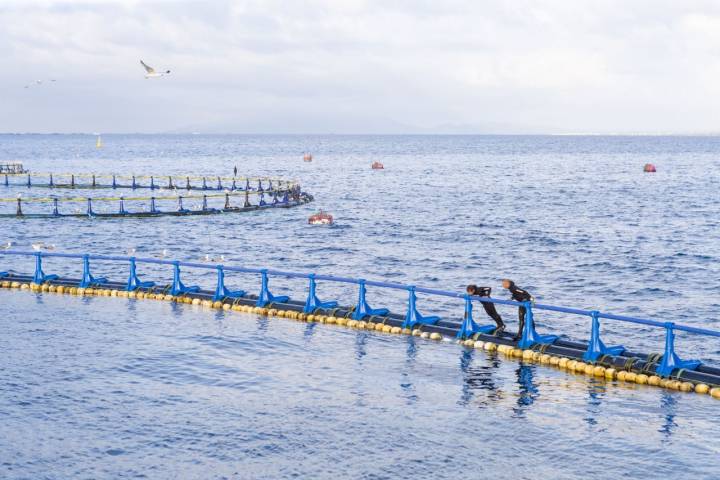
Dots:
{"x": 131, "y": 251}
{"x": 7, "y": 246}
{"x": 151, "y": 73}
{"x": 42, "y": 246}
{"x": 162, "y": 254}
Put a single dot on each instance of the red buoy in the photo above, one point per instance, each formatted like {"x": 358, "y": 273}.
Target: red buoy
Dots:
{"x": 649, "y": 168}
{"x": 377, "y": 166}
{"x": 320, "y": 218}
{"x": 307, "y": 157}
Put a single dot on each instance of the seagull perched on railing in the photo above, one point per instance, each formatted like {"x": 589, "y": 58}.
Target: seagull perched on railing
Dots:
{"x": 151, "y": 73}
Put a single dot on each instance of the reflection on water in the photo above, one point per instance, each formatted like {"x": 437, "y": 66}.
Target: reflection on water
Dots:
{"x": 668, "y": 404}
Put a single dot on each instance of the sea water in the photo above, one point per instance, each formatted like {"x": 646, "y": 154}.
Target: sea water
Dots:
{"x": 109, "y": 387}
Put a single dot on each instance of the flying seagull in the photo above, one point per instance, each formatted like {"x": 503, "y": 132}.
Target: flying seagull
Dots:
{"x": 150, "y": 72}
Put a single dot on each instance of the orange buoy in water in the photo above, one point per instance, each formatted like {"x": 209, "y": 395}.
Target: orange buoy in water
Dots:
{"x": 649, "y": 168}
{"x": 320, "y": 218}
{"x": 377, "y": 166}
{"x": 307, "y": 157}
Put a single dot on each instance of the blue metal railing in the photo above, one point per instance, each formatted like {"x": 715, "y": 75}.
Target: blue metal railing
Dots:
{"x": 596, "y": 348}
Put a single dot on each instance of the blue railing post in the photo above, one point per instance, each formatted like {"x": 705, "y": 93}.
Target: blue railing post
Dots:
{"x": 152, "y": 183}
{"x": 90, "y": 212}
{"x": 413, "y": 317}
{"x": 362, "y": 309}
{"x": 134, "y": 185}
{"x": 29, "y": 184}
{"x": 529, "y": 336}
{"x": 671, "y": 360}
{"x": 313, "y": 302}
{"x": 87, "y": 278}
{"x": 133, "y": 281}
{"x": 596, "y": 347}
{"x": 204, "y": 184}
{"x": 51, "y": 184}
{"x": 221, "y": 291}
{"x": 56, "y": 212}
{"x": 152, "y": 206}
{"x": 122, "y": 210}
{"x": 219, "y": 184}
{"x": 262, "y": 202}
{"x": 114, "y": 182}
{"x": 265, "y": 296}
{"x": 178, "y": 288}
{"x": 40, "y": 277}
{"x": 469, "y": 327}
{"x": 181, "y": 209}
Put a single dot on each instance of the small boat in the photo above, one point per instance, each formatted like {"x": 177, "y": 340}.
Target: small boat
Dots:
{"x": 321, "y": 218}
{"x": 649, "y": 168}
{"x": 307, "y": 157}
{"x": 98, "y": 143}
{"x": 378, "y": 166}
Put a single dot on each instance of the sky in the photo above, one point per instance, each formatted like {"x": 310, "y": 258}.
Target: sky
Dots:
{"x": 361, "y": 66}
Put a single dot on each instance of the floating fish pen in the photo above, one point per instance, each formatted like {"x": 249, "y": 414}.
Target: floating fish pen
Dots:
{"x": 152, "y": 182}
{"x": 12, "y": 168}
{"x": 177, "y": 196}
{"x": 591, "y": 358}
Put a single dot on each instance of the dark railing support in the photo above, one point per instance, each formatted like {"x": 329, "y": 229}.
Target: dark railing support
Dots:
{"x": 40, "y": 277}
{"x": 87, "y": 278}
{"x": 265, "y": 296}
{"x": 469, "y": 327}
{"x": 221, "y": 291}
{"x": 529, "y": 336}
{"x": 413, "y": 317}
{"x": 313, "y": 302}
{"x": 133, "y": 281}
{"x": 362, "y": 309}
{"x": 596, "y": 347}
{"x": 178, "y": 288}
{"x": 671, "y": 360}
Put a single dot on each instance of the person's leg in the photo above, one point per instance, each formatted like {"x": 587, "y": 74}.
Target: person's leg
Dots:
{"x": 521, "y": 321}
{"x": 492, "y": 313}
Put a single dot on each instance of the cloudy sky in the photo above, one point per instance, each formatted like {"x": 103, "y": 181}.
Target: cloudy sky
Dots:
{"x": 361, "y": 66}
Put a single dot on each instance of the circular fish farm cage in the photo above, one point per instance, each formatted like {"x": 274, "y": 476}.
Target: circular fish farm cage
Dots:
{"x": 152, "y": 196}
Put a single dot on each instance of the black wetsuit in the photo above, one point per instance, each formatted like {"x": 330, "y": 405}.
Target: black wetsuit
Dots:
{"x": 488, "y": 306}
{"x": 520, "y": 295}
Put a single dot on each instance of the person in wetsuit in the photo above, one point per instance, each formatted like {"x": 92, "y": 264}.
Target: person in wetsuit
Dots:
{"x": 519, "y": 295}
{"x": 488, "y": 306}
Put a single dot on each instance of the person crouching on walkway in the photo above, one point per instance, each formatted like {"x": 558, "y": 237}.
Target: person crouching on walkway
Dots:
{"x": 519, "y": 295}
{"x": 488, "y": 306}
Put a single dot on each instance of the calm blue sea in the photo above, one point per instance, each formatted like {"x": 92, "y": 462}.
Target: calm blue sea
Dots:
{"x": 114, "y": 388}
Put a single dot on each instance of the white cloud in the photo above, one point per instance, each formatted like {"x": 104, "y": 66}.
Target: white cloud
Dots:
{"x": 608, "y": 66}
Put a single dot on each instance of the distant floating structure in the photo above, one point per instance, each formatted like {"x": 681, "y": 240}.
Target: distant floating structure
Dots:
{"x": 378, "y": 166}
{"x": 12, "y": 168}
{"x": 99, "y": 142}
{"x": 307, "y": 157}
{"x": 649, "y": 168}
{"x": 321, "y": 218}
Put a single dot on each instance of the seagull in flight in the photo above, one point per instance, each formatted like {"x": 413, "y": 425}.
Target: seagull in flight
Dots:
{"x": 151, "y": 73}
